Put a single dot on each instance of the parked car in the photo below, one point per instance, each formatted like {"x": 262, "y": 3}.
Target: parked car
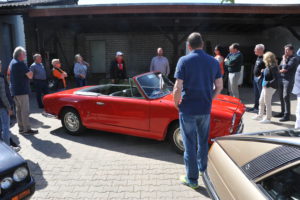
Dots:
{"x": 144, "y": 107}
{"x": 16, "y": 183}
{"x": 263, "y": 165}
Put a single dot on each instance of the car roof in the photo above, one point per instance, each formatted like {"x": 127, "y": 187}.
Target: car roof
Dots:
{"x": 258, "y": 154}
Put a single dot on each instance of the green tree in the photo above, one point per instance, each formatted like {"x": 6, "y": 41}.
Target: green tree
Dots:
{"x": 227, "y": 1}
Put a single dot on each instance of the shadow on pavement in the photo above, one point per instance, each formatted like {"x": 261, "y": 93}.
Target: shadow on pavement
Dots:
{"x": 37, "y": 174}
{"x": 54, "y": 150}
{"x": 203, "y": 191}
{"x": 131, "y": 145}
{"x": 283, "y": 125}
{"x": 14, "y": 140}
{"x": 38, "y": 124}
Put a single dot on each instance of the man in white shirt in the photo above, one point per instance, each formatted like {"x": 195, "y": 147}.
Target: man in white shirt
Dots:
{"x": 160, "y": 63}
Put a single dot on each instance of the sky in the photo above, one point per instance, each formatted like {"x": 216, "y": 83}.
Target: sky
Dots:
{"x": 82, "y": 2}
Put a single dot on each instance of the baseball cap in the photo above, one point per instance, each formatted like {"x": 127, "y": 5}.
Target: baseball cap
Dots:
{"x": 119, "y": 53}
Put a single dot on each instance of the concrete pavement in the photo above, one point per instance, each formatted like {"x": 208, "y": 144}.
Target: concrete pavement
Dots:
{"x": 100, "y": 165}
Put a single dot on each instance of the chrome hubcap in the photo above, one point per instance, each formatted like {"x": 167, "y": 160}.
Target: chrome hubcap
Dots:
{"x": 71, "y": 122}
{"x": 178, "y": 139}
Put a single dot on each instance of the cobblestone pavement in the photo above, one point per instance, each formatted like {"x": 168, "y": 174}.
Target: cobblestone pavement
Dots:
{"x": 100, "y": 165}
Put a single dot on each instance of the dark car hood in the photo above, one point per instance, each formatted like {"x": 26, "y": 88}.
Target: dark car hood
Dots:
{"x": 8, "y": 158}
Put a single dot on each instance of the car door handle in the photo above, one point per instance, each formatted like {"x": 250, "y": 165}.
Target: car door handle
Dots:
{"x": 100, "y": 103}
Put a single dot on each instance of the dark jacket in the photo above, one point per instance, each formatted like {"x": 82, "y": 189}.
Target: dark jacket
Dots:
{"x": 271, "y": 76}
{"x": 291, "y": 67}
{"x": 6, "y": 100}
{"x": 116, "y": 72}
{"x": 234, "y": 62}
{"x": 259, "y": 65}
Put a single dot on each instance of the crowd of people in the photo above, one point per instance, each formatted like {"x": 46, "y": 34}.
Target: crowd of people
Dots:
{"x": 268, "y": 77}
{"x": 199, "y": 79}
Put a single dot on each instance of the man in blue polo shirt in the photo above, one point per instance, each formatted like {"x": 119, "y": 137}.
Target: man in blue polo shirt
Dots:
{"x": 198, "y": 82}
{"x": 19, "y": 85}
{"x": 39, "y": 79}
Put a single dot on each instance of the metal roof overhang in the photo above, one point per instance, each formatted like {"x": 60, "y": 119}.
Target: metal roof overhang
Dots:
{"x": 106, "y": 9}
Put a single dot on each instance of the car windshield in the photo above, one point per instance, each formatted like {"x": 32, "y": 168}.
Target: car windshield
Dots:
{"x": 155, "y": 85}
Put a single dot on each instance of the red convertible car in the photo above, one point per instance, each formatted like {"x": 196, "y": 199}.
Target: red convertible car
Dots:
{"x": 144, "y": 107}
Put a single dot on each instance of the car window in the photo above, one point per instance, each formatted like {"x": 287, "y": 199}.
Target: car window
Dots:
{"x": 134, "y": 89}
{"x": 284, "y": 185}
{"x": 155, "y": 85}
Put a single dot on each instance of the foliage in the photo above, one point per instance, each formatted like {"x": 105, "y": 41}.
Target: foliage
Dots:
{"x": 227, "y": 1}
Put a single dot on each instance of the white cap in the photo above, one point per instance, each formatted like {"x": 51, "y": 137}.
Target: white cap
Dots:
{"x": 119, "y": 53}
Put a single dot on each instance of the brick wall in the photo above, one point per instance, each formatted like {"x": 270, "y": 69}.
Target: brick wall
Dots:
{"x": 139, "y": 48}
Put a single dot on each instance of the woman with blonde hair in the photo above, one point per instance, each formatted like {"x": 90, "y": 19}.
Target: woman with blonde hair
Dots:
{"x": 269, "y": 84}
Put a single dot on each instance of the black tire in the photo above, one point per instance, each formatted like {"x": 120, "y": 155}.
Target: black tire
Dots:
{"x": 71, "y": 121}
{"x": 173, "y": 138}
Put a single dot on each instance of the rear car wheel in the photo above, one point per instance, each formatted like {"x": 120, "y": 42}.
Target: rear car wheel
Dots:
{"x": 175, "y": 138}
{"x": 71, "y": 121}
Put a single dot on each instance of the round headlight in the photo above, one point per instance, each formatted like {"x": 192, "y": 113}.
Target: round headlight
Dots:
{"x": 20, "y": 174}
{"x": 6, "y": 183}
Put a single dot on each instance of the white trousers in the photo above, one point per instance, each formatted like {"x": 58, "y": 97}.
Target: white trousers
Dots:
{"x": 265, "y": 101}
{"x": 297, "y": 124}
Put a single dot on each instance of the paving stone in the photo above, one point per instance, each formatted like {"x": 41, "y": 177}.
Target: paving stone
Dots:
{"x": 98, "y": 165}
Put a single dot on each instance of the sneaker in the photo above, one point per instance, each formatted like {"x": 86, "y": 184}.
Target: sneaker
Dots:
{"x": 184, "y": 181}
{"x": 16, "y": 149}
{"x": 257, "y": 117}
{"x": 30, "y": 132}
{"x": 265, "y": 121}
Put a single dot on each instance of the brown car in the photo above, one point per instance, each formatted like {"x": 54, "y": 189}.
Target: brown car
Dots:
{"x": 255, "y": 166}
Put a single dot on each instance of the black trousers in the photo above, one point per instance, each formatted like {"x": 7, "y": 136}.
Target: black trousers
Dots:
{"x": 257, "y": 87}
{"x": 41, "y": 88}
{"x": 285, "y": 89}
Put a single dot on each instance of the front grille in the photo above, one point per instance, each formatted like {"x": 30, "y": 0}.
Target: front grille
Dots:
{"x": 270, "y": 161}
{"x": 15, "y": 185}
{"x": 240, "y": 127}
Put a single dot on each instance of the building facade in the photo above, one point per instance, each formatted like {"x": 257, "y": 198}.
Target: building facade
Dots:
{"x": 11, "y": 35}
{"x": 98, "y": 31}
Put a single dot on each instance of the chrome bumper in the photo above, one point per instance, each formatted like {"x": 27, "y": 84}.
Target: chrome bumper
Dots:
{"x": 240, "y": 128}
{"x": 209, "y": 186}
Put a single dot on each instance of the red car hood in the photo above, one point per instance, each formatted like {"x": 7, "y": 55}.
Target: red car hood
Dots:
{"x": 222, "y": 102}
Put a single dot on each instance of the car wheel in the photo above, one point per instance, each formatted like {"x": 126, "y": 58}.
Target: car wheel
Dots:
{"x": 175, "y": 138}
{"x": 71, "y": 121}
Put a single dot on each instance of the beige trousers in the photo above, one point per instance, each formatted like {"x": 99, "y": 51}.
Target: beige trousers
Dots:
{"x": 233, "y": 84}
{"x": 22, "y": 112}
{"x": 265, "y": 101}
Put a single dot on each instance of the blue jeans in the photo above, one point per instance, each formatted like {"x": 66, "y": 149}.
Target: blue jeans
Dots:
{"x": 80, "y": 82}
{"x": 5, "y": 125}
{"x": 257, "y": 87}
{"x": 41, "y": 87}
{"x": 195, "y": 132}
